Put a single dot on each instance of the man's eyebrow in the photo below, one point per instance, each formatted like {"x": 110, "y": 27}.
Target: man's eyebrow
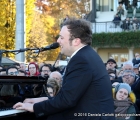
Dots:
{"x": 60, "y": 36}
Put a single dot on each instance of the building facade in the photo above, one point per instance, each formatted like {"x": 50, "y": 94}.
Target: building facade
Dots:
{"x": 105, "y": 11}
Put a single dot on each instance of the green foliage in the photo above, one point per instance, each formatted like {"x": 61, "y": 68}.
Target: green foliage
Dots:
{"x": 122, "y": 39}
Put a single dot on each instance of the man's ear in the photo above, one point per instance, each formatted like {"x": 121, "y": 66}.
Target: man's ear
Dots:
{"x": 77, "y": 41}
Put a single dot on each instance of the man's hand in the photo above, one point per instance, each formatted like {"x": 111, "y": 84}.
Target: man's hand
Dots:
{"x": 35, "y": 100}
{"x": 24, "y": 106}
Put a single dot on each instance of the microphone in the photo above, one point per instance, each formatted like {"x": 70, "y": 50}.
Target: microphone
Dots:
{"x": 49, "y": 47}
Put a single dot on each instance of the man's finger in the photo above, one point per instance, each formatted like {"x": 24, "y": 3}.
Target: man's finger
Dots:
{"x": 17, "y": 105}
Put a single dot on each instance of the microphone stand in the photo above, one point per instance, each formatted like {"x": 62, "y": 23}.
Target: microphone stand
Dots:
{"x": 14, "y": 51}
{"x": 56, "y": 61}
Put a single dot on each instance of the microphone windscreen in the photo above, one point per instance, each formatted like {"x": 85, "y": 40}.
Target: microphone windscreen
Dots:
{"x": 55, "y": 45}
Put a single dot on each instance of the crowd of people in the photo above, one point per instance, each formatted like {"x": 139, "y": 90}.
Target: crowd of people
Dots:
{"x": 128, "y": 74}
{"x": 130, "y": 22}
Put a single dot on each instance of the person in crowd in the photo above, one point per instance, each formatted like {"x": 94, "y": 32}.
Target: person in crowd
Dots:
{"x": 83, "y": 84}
{"x": 12, "y": 70}
{"x": 120, "y": 10}
{"x": 124, "y": 100}
{"x": 111, "y": 65}
{"x": 120, "y": 73}
{"x": 112, "y": 74}
{"x": 3, "y": 71}
{"x": 54, "y": 84}
{"x": 136, "y": 59}
{"x": 116, "y": 20}
{"x": 50, "y": 90}
{"x": 128, "y": 77}
{"x": 22, "y": 66}
{"x": 128, "y": 65}
{"x": 45, "y": 70}
{"x": 135, "y": 3}
{"x": 126, "y": 24}
{"x": 57, "y": 76}
{"x": 135, "y": 23}
{"x": 13, "y": 91}
{"x": 120, "y": 2}
{"x": 128, "y": 5}
{"x": 33, "y": 69}
{"x": 22, "y": 73}
{"x": 136, "y": 69}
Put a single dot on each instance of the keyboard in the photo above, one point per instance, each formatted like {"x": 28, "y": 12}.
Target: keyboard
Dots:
{"x": 10, "y": 111}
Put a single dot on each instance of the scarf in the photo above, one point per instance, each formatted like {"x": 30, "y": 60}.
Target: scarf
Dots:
{"x": 121, "y": 106}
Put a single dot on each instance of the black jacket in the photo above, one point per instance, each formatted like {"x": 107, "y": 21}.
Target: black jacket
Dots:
{"x": 86, "y": 91}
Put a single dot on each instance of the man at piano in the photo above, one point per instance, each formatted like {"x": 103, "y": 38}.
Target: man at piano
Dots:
{"x": 86, "y": 88}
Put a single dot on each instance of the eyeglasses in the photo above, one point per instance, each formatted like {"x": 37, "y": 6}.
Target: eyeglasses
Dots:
{"x": 13, "y": 73}
{"x": 125, "y": 76}
{"x": 45, "y": 71}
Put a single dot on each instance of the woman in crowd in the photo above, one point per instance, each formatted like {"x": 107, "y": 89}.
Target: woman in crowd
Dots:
{"x": 120, "y": 10}
{"x": 54, "y": 84}
{"x": 124, "y": 100}
{"x": 33, "y": 69}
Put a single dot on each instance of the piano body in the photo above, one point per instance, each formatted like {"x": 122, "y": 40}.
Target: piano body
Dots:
{"x": 7, "y": 101}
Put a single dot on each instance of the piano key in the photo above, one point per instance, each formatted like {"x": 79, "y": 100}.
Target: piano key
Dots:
{"x": 4, "y": 112}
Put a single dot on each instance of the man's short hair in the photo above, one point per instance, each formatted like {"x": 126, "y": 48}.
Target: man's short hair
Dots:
{"x": 79, "y": 28}
{"x": 46, "y": 65}
{"x": 128, "y": 63}
{"x": 16, "y": 64}
{"x": 111, "y": 60}
{"x": 10, "y": 68}
{"x": 129, "y": 71}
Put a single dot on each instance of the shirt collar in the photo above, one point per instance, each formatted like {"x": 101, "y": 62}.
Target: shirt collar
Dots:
{"x": 76, "y": 51}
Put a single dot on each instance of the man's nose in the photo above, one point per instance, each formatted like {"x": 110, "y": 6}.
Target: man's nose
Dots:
{"x": 58, "y": 40}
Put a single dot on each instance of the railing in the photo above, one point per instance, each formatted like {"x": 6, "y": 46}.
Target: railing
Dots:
{"x": 99, "y": 27}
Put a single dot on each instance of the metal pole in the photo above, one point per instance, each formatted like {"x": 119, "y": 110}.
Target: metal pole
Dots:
{"x": 93, "y": 16}
{"x": 20, "y": 28}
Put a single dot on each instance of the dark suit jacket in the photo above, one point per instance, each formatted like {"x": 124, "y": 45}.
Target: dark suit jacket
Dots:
{"x": 86, "y": 90}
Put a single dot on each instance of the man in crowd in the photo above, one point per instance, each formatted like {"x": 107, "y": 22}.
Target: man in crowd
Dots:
{"x": 57, "y": 76}
{"x": 45, "y": 70}
{"x": 111, "y": 65}
{"x": 136, "y": 60}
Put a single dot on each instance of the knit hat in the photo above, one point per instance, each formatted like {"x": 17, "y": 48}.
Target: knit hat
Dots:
{"x": 123, "y": 85}
{"x": 111, "y": 60}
